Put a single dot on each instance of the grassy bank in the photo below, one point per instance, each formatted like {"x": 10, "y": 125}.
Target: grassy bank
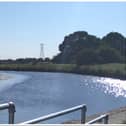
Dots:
{"x": 114, "y": 70}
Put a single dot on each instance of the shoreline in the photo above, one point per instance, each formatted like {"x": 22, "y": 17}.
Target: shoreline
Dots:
{"x": 69, "y": 72}
{"x": 114, "y": 70}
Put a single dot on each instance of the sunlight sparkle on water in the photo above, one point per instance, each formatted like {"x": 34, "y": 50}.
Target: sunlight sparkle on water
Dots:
{"x": 115, "y": 87}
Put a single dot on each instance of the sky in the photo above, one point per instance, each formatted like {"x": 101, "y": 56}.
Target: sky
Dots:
{"x": 24, "y": 25}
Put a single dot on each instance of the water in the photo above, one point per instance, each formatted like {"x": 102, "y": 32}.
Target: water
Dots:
{"x": 40, "y": 93}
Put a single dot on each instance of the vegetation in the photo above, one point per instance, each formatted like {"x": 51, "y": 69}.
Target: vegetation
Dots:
{"x": 80, "y": 53}
{"x": 25, "y": 61}
{"x": 81, "y": 48}
{"x": 114, "y": 70}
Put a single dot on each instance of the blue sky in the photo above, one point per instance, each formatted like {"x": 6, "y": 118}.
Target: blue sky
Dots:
{"x": 24, "y": 25}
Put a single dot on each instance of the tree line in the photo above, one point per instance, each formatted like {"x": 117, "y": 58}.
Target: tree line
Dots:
{"x": 82, "y": 48}
{"x": 32, "y": 61}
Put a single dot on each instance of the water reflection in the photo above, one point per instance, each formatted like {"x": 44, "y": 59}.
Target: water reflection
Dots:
{"x": 115, "y": 87}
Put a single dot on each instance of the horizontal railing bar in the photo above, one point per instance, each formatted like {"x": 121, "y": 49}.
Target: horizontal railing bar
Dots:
{"x": 53, "y": 115}
{"x": 4, "y": 106}
{"x": 98, "y": 119}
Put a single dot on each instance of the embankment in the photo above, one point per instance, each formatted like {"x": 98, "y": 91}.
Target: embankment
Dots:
{"x": 116, "y": 116}
{"x": 114, "y": 70}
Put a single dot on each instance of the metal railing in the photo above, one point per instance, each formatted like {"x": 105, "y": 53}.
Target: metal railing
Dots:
{"x": 11, "y": 110}
{"x": 103, "y": 118}
{"x": 60, "y": 113}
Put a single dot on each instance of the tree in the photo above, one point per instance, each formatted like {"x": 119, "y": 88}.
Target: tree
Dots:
{"x": 74, "y": 43}
{"x": 47, "y": 59}
{"x": 115, "y": 40}
{"x": 108, "y": 55}
{"x": 87, "y": 56}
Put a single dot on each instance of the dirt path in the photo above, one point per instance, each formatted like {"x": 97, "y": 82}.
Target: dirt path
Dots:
{"x": 116, "y": 116}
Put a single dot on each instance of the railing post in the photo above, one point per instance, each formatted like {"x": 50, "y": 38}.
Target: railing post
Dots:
{"x": 83, "y": 114}
{"x": 106, "y": 119}
{"x": 11, "y": 111}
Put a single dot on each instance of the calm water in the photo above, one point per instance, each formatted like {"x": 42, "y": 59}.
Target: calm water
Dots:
{"x": 40, "y": 93}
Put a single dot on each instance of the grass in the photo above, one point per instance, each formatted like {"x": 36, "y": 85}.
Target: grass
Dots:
{"x": 115, "y": 70}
